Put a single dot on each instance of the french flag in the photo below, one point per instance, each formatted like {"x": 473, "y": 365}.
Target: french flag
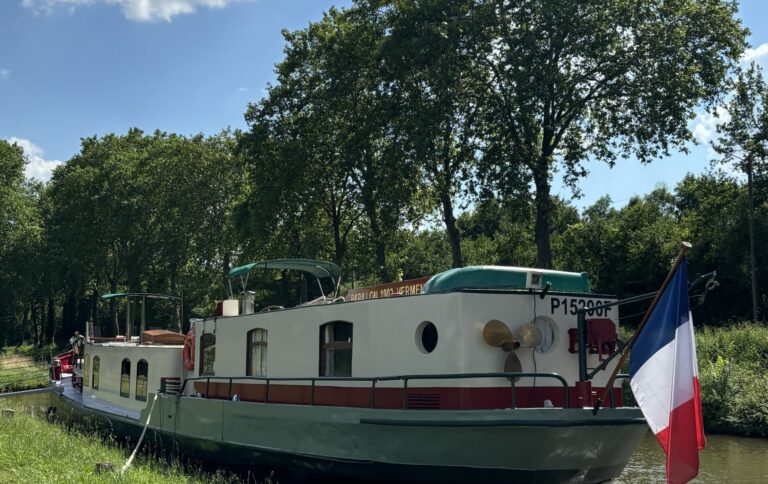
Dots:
{"x": 664, "y": 377}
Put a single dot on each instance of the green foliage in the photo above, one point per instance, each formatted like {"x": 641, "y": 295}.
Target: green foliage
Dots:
{"x": 733, "y": 362}
{"x": 573, "y": 80}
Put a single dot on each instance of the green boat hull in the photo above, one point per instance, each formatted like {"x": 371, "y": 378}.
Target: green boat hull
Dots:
{"x": 522, "y": 445}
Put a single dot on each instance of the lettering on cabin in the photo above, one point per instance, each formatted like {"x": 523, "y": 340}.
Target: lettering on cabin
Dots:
{"x": 402, "y": 288}
{"x": 570, "y": 305}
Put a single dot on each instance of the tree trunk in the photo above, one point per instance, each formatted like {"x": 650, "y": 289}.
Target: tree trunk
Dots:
{"x": 340, "y": 247}
{"x": 543, "y": 207}
{"x": 95, "y": 308}
{"x": 381, "y": 249}
{"x": 113, "y": 305}
{"x": 225, "y": 272}
{"x": 452, "y": 230}
{"x": 33, "y": 316}
{"x": 751, "y": 222}
{"x": 51, "y": 323}
{"x": 25, "y": 324}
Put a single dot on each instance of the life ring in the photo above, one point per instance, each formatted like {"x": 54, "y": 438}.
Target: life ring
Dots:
{"x": 189, "y": 350}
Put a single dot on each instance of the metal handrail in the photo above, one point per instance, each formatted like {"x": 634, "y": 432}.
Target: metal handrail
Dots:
{"x": 620, "y": 376}
{"x": 374, "y": 380}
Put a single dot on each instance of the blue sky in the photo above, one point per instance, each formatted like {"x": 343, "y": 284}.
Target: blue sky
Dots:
{"x": 77, "y": 68}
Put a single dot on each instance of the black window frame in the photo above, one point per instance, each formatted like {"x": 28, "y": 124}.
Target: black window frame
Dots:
{"x": 208, "y": 342}
{"x": 331, "y": 348}
{"x": 125, "y": 383}
{"x": 142, "y": 396}
{"x": 249, "y": 352}
{"x": 96, "y": 371}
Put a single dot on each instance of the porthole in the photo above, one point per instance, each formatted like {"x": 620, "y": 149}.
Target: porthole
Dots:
{"x": 549, "y": 333}
{"x": 426, "y": 337}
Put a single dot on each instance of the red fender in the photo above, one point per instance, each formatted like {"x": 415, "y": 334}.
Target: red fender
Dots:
{"x": 189, "y": 350}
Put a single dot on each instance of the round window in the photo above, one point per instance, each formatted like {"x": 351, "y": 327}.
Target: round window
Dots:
{"x": 426, "y": 337}
{"x": 549, "y": 333}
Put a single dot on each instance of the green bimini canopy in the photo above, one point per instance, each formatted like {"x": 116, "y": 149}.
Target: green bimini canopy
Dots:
{"x": 317, "y": 268}
{"x": 500, "y": 277}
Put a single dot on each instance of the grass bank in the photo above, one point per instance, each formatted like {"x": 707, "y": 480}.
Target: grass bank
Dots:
{"x": 24, "y": 367}
{"x": 33, "y": 450}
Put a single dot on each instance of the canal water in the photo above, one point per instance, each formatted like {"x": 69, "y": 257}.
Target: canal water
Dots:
{"x": 726, "y": 459}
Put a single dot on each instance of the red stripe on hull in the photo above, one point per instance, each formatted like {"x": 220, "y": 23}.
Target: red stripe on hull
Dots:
{"x": 680, "y": 442}
{"x": 448, "y": 398}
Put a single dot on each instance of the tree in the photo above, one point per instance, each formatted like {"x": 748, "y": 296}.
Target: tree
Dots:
{"x": 427, "y": 58}
{"x": 743, "y": 141}
{"x": 328, "y": 125}
{"x": 711, "y": 209}
{"x": 565, "y": 81}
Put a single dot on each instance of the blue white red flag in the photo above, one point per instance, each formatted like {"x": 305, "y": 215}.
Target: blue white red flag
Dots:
{"x": 664, "y": 377}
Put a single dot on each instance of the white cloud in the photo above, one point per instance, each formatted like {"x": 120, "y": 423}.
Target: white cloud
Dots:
{"x": 705, "y": 124}
{"x": 37, "y": 166}
{"x": 138, "y": 10}
{"x": 4, "y": 74}
{"x": 242, "y": 89}
{"x": 756, "y": 53}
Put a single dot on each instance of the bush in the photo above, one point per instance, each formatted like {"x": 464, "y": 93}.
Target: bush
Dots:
{"x": 733, "y": 364}
{"x": 733, "y": 373}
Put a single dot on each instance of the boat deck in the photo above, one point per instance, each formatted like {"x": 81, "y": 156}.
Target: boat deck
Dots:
{"x": 94, "y": 403}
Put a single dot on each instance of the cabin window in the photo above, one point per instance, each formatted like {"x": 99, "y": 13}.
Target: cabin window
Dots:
{"x": 125, "y": 378}
{"x": 142, "y": 372}
{"x": 336, "y": 349}
{"x": 256, "y": 360}
{"x": 86, "y": 370}
{"x": 207, "y": 353}
{"x": 95, "y": 376}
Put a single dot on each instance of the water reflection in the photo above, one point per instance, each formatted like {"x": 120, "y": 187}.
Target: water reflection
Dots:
{"x": 726, "y": 459}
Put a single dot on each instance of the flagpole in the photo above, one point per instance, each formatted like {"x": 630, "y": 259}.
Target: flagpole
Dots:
{"x": 684, "y": 248}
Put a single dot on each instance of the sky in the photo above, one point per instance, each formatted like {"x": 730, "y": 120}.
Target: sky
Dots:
{"x": 77, "y": 68}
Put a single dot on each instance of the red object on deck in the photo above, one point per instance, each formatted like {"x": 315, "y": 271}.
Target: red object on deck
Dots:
{"x": 67, "y": 361}
{"x": 601, "y": 337}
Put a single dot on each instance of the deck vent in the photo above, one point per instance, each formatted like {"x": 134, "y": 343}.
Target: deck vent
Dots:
{"x": 170, "y": 385}
{"x": 423, "y": 400}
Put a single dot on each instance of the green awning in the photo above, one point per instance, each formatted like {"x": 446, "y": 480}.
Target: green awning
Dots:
{"x": 148, "y": 295}
{"x": 319, "y": 269}
{"x": 501, "y": 277}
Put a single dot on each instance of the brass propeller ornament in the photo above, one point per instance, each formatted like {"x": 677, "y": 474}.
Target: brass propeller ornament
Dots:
{"x": 498, "y": 334}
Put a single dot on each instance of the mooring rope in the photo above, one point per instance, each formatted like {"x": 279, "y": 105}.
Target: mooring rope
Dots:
{"x": 141, "y": 438}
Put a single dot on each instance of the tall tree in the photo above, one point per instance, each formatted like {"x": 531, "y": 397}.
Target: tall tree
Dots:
{"x": 333, "y": 140}
{"x": 427, "y": 58}
{"x": 743, "y": 141}
{"x": 566, "y": 81}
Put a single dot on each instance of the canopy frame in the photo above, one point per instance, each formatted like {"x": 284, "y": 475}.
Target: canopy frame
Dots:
{"x": 143, "y": 296}
{"x": 318, "y": 269}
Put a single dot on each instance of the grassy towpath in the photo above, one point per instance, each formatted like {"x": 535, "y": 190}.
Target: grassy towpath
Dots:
{"x": 25, "y": 367}
{"x": 34, "y": 450}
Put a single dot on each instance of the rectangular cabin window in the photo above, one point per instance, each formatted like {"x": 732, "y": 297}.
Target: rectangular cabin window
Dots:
{"x": 95, "y": 377}
{"x": 125, "y": 378}
{"x": 87, "y": 370}
{"x": 336, "y": 349}
{"x": 142, "y": 373}
{"x": 256, "y": 358}
{"x": 207, "y": 354}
